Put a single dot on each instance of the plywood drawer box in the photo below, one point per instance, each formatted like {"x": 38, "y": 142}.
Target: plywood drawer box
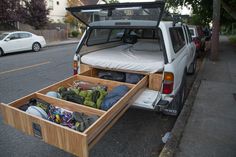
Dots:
{"x": 75, "y": 142}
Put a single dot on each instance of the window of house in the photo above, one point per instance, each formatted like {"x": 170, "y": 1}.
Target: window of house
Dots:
{"x": 50, "y": 4}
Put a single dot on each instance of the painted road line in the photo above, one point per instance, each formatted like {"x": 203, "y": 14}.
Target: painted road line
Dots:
{"x": 23, "y": 68}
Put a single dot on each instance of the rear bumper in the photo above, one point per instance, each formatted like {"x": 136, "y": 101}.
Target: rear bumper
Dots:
{"x": 165, "y": 106}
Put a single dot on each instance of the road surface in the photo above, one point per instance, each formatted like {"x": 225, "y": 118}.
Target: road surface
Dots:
{"x": 137, "y": 134}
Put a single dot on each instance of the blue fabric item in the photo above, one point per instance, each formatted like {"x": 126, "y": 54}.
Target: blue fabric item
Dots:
{"x": 133, "y": 78}
{"x": 112, "y": 97}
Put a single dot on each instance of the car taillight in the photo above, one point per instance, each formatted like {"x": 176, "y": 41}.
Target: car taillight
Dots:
{"x": 168, "y": 83}
{"x": 75, "y": 67}
{"x": 197, "y": 43}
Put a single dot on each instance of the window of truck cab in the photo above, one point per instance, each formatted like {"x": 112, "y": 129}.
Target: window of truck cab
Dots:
{"x": 106, "y": 35}
{"x": 177, "y": 38}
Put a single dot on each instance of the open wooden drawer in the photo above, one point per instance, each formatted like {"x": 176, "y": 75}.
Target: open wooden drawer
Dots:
{"x": 75, "y": 142}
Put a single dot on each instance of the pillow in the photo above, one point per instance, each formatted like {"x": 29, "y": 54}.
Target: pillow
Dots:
{"x": 147, "y": 45}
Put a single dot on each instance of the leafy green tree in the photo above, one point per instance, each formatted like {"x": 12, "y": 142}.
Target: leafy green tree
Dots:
{"x": 35, "y": 13}
{"x": 9, "y": 10}
{"x": 202, "y": 9}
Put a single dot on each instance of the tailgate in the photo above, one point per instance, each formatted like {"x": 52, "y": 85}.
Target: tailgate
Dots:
{"x": 75, "y": 142}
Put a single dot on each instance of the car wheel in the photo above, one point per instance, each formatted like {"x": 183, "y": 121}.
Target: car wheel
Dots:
{"x": 1, "y": 52}
{"x": 36, "y": 47}
{"x": 181, "y": 96}
{"x": 193, "y": 66}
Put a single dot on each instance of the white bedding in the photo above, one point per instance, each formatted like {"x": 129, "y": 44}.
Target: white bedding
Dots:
{"x": 127, "y": 57}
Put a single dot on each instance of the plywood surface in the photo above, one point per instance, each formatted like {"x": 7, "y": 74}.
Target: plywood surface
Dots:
{"x": 121, "y": 105}
{"x": 51, "y": 133}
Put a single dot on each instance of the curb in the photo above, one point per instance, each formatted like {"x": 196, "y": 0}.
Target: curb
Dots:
{"x": 61, "y": 44}
{"x": 172, "y": 144}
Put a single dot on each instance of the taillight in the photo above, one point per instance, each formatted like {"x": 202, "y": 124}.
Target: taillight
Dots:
{"x": 197, "y": 43}
{"x": 168, "y": 83}
{"x": 75, "y": 67}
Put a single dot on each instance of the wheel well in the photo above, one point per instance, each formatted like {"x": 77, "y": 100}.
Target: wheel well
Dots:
{"x": 1, "y": 49}
{"x": 37, "y": 43}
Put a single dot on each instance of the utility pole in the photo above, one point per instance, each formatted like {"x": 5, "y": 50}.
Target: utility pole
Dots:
{"x": 215, "y": 31}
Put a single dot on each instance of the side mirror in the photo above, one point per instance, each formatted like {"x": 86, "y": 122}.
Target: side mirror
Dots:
{"x": 7, "y": 39}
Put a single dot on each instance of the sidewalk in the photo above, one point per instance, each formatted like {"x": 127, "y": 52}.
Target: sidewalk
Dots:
{"x": 65, "y": 42}
{"x": 211, "y": 127}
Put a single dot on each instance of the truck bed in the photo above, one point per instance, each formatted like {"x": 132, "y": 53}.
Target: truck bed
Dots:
{"x": 141, "y": 56}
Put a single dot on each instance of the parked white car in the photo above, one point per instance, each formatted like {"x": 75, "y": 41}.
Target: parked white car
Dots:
{"x": 20, "y": 41}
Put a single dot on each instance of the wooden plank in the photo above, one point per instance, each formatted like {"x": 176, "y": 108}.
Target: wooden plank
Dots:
{"x": 109, "y": 83}
{"x": 19, "y": 102}
{"x": 104, "y": 121}
{"x": 66, "y": 83}
{"x": 155, "y": 81}
{"x": 62, "y": 137}
{"x": 84, "y": 68}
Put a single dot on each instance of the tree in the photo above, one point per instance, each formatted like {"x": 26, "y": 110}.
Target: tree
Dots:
{"x": 216, "y": 30}
{"x": 8, "y": 10}
{"x": 229, "y": 6}
{"x": 202, "y": 9}
{"x": 68, "y": 17}
{"x": 35, "y": 13}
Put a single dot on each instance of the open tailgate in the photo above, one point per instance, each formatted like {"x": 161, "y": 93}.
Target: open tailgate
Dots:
{"x": 119, "y": 12}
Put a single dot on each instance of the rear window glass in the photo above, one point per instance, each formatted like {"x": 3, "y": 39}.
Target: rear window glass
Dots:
{"x": 177, "y": 38}
{"x": 25, "y": 35}
{"x": 102, "y": 36}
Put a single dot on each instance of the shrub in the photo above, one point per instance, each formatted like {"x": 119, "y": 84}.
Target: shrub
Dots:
{"x": 232, "y": 39}
{"x": 74, "y": 34}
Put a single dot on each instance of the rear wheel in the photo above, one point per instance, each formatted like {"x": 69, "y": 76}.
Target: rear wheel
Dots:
{"x": 1, "y": 52}
{"x": 193, "y": 66}
{"x": 181, "y": 96}
{"x": 36, "y": 47}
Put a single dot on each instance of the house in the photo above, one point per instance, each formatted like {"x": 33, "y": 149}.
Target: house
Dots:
{"x": 58, "y": 8}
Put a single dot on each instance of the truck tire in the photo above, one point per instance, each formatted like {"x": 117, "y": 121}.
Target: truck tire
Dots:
{"x": 1, "y": 52}
{"x": 193, "y": 66}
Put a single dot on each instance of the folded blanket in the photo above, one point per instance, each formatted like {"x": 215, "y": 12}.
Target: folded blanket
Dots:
{"x": 112, "y": 97}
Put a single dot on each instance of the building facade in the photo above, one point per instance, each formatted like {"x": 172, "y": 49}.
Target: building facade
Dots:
{"x": 57, "y": 10}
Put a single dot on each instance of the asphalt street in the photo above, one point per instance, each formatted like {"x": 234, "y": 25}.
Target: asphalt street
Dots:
{"x": 137, "y": 134}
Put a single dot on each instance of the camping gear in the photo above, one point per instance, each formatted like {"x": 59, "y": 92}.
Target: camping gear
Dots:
{"x": 112, "y": 97}
{"x": 112, "y": 75}
{"x": 37, "y": 111}
{"x": 133, "y": 78}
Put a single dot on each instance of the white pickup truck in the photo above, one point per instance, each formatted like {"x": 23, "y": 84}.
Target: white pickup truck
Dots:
{"x": 131, "y": 38}
{"x": 126, "y": 56}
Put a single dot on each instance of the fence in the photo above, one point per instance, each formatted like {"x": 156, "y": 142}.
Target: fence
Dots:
{"x": 50, "y": 35}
